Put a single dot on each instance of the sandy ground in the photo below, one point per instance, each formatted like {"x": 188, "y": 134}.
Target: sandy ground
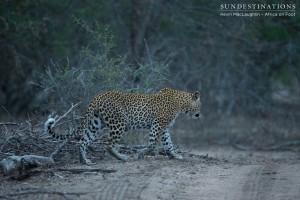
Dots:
{"x": 225, "y": 174}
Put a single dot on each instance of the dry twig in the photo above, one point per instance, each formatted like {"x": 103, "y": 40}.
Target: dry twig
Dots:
{"x": 9, "y": 123}
{"x": 59, "y": 147}
{"x": 57, "y": 119}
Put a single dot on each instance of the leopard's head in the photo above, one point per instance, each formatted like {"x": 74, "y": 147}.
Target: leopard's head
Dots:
{"x": 194, "y": 108}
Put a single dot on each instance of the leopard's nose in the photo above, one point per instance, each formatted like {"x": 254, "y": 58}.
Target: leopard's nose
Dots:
{"x": 197, "y": 115}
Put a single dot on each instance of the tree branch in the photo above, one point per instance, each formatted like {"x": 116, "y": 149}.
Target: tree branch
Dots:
{"x": 56, "y": 120}
{"x": 9, "y": 123}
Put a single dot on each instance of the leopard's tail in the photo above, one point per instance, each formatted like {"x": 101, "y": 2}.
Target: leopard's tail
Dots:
{"x": 49, "y": 130}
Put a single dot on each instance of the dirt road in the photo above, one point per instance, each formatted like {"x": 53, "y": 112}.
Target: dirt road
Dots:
{"x": 225, "y": 174}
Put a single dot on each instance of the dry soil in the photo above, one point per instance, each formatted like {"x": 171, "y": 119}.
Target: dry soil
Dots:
{"x": 225, "y": 174}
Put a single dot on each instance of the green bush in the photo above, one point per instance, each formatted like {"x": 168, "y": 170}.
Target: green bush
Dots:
{"x": 98, "y": 70}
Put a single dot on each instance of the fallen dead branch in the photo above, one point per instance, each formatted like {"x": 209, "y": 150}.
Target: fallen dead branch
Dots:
{"x": 9, "y": 124}
{"x": 132, "y": 149}
{"x": 19, "y": 167}
{"x": 16, "y": 195}
{"x": 79, "y": 171}
{"x": 283, "y": 146}
{"x": 289, "y": 145}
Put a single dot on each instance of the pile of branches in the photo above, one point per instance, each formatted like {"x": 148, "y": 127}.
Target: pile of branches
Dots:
{"x": 17, "y": 139}
{"x": 24, "y": 146}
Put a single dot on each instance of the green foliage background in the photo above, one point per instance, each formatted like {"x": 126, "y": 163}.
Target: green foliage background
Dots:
{"x": 236, "y": 62}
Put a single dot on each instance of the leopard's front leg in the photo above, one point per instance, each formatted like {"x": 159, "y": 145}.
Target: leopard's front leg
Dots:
{"x": 167, "y": 144}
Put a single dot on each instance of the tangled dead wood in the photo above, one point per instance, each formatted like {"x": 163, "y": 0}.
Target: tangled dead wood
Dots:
{"x": 19, "y": 142}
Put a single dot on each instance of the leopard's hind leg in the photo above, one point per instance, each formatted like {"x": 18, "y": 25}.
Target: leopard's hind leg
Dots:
{"x": 115, "y": 134}
{"x": 153, "y": 140}
{"x": 91, "y": 133}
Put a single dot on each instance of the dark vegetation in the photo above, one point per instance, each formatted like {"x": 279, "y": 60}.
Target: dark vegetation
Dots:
{"x": 55, "y": 53}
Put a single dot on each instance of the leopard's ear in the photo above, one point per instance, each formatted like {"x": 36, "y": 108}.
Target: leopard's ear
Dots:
{"x": 196, "y": 95}
{"x": 165, "y": 90}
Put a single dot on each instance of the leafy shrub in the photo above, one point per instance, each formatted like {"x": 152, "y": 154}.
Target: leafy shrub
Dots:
{"x": 98, "y": 70}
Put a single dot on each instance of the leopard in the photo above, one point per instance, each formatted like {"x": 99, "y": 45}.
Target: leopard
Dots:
{"x": 118, "y": 112}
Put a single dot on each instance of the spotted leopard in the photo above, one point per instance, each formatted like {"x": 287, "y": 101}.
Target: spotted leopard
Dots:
{"x": 119, "y": 112}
